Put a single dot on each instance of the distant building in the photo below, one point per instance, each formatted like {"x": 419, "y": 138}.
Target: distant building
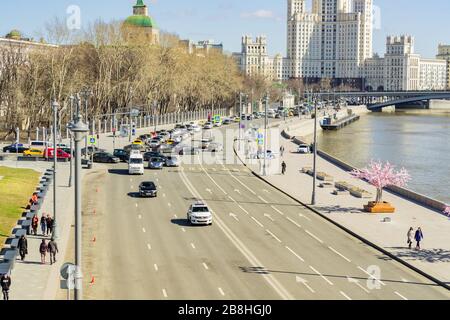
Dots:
{"x": 201, "y": 47}
{"x": 141, "y": 26}
{"x": 444, "y": 53}
{"x": 402, "y": 69}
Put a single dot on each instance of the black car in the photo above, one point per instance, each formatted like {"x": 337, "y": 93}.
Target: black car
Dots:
{"x": 153, "y": 154}
{"x": 91, "y": 150}
{"x": 104, "y": 157}
{"x": 148, "y": 189}
{"x": 121, "y": 154}
{"x": 20, "y": 148}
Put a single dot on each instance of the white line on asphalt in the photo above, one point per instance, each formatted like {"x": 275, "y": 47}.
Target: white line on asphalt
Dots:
{"x": 160, "y": 187}
{"x": 273, "y": 207}
{"x": 274, "y": 236}
{"x": 262, "y": 199}
{"x": 164, "y": 195}
{"x": 295, "y": 254}
{"x": 231, "y": 199}
{"x": 312, "y": 235}
{"x": 237, "y": 190}
{"x": 149, "y": 246}
{"x": 156, "y": 267}
{"x": 214, "y": 169}
{"x": 268, "y": 216}
{"x": 209, "y": 191}
{"x": 131, "y": 187}
{"x": 164, "y": 293}
{"x": 404, "y": 298}
{"x": 243, "y": 184}
{"x": 371, "y": 276}
{"x": 136, "y": 205}
{"x": 339, "y": 254}
{"x": 234, "y": 217}
{"x": 193, "y": 246}
{"x": 260, "y": 224}
{"x": 143, "y": 230}
{"x": 294, "y": 222}
{"x": 303, "y": 216}
{"x": 183, "y": 229}
{"x": 131, "y": 180}
{"x": 157, "y": 179}
{"x": 205, "y": 266}
{"x": 321, "y": 275}
{"x": 355, "y": 281}
{"x": 265, "y": 190}
{"x": 169, "y": 204}
{"x": 346, "y": 296}
{"x": 175, "y": 216}
{"x": 242, "y": 208}
{"x": 207, "y": 174}
{"x": 221, "y": 292}
{"x": 140, "y": 217}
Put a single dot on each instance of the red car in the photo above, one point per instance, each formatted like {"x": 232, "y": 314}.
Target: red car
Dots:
{"x": 48, "y": 153}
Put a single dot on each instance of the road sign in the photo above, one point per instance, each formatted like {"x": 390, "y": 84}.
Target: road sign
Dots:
{"x": 67, "y": 272}
{"x": 92, "y": 140}
{"x": 67, "y": 269}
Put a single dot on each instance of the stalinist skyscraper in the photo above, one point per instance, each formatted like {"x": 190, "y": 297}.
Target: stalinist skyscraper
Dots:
{"x": 331, "y": 41}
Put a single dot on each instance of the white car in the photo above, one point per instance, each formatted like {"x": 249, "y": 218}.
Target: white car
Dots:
{"x": 214, "y": 147}
{"x": 196, "y": 128}
{"x": 199, "y": 214}
{"x": 136, "y": 163}
{"x": 303, "y": 149}
{"x": 208, "y": 125}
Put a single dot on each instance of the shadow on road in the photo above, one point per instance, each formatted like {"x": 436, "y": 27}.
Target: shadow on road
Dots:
{"x": 182, "y": 223}
{"x": 133, "y": 194}
{"x": 120, "y": 172}
{"x": 339, "y": 209}
{"x": 427, "y": 255}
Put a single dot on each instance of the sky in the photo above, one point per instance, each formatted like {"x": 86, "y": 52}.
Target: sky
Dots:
{"x": 226, "y": 21}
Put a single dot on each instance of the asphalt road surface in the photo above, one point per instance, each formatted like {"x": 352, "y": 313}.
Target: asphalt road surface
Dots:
{"x": 261, "y": 246}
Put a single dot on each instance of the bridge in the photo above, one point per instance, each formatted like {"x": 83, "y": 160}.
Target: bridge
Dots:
{"x": 376, "y": 101}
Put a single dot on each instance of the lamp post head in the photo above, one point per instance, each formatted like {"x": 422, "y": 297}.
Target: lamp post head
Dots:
{"x": 55, "y": 104}
{"x": 79, "y": 130}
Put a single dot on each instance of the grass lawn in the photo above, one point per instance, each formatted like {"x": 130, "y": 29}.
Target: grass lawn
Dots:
{"x": 16, "y": 189}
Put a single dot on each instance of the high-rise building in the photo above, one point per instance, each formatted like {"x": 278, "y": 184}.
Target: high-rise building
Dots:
{"x": 201, "y": 47}
{"x": 444, "y": 53}
{"x": 332, "y": 41}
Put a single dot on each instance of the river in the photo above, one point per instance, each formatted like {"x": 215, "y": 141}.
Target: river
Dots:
{"x": 418, "y": 142}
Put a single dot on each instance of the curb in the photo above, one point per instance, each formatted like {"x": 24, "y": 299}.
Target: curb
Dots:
{"x": 355, "y": 235}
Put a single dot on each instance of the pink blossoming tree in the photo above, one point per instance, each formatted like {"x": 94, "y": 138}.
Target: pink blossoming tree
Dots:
{"x": 382, "y": 175}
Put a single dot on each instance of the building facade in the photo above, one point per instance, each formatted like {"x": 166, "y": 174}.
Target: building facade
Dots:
{"x": 141, "y": 26}
{"x": 201, "y": 47}
{"x": 444, "y": 53}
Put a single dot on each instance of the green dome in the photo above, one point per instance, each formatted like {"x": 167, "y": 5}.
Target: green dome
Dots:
{"x": 140, "y": 21}
{"x": 14, "y": 34}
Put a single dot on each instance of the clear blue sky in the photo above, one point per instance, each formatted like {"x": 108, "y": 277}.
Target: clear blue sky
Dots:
{"x": 226, "y": 20}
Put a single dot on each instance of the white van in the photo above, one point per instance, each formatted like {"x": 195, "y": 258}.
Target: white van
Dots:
{"x": 136, "y": 163}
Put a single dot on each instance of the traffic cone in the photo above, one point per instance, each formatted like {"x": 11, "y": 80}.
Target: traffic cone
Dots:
{"x": 94, "y": 239}
{"x": 92, "y": 280}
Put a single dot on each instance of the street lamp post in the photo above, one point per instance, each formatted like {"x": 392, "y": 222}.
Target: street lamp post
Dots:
{"x": 131, "y": 119}
{"x": 240, "y": 120}
{"x": 72, "y": 98}
{"x": 86, "y": 93}
{"x": 265, "y": 136}
{"x": 79, "y": 130}
{"x": 313, "y": 200}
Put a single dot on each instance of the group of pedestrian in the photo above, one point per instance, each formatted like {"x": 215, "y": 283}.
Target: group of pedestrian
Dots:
{"x": 47, "y": 224}
{"x": 51, "y": 248}
{"x": 418, "y": 237}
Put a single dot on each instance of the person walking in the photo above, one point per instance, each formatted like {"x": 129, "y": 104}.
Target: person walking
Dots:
{"x": 43, "y": 248}
{"x": 44, "y": 224}
{"x": 5, "y": 282}
{"x": 23, "y": 247}
{"x": 53, "y": 250}
{"x": 49, "y": 225}
{"x": 34, "y": 224}
{"x": 410, "y": 237}
{"x": 282, "y": 151}
{"x": 418, "y": 237}
{"x": 283, "y": 168}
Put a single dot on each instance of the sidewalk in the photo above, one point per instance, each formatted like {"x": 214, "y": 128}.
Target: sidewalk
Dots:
{"x": 434, "y": 258}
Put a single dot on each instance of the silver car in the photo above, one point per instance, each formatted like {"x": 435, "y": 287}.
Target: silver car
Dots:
{"x": 156, "y": 163}
{"x": 172, "y": 161}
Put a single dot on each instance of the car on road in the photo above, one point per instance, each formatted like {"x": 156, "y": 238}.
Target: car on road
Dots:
{"x": 269, "y": 155}
{"x": 196, "y": 128}
{"x": 60, "y": 154}
{"x": 33, "y": 153}
{"x": 189, "y": 151}
{"x": 121, "y": 154}
{"x": 304, "y": 149}
{"x": 15, "y": 148}
{"x": 226, "y": 122}
{"x": 138, "y": 142}
{"x": 152, "y": 154}
{"x": 208, "y": 126}
{"x": 218, "y": 124}
{"x": 91, "y": 150}
{"x": 156, "y": 163}
{"x": 206, "y": 143}
{"x": 199, "y": 214}
{"x": 133, "y": 147}
{"x": 136, "y": 163}
{"x": 155, "y": 143}
{"x": 172, "y": 161}
{"x": 104, "y": 157}
{"x": 148, "y": 189}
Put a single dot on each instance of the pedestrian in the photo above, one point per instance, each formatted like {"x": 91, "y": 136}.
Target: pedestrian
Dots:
{"x": 418, "y": 237}
{"x": 23, "y": 247}
{"x": 43, "y": 224}
{"x": 34, "y": 224}
{"x": 49, "y": 225}
{"x": 34, "y": 199}
{"x": 283, "y": 168}
{"x": 53, "y": 250}
{"x": 43, "y": 248}
{"x": 282, "y": 151}
{"x": 410, "y": 237}
{"x": 5, "y": 282}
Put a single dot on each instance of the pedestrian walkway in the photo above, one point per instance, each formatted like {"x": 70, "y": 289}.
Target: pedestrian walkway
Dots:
{"x": 434, "y": 258}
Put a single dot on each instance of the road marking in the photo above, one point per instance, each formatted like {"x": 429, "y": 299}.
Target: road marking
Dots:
{"x": 312, "y": 235}
{"x": 404, "y": 298}
{"x": 205, "y": 266}
{"x": 268, "y": 216}
{"x": 214, "y": 169}
{"x": 157, "y": 179}
{"x": 237, "y": 190}
{"x": 276, "y": 238}
{"x": 295, "y": 254}
{"x": 164, "y": 293}
{"x": 242, "y": 208}
{"x": 355, "y": 281}
{"x": 231, "y": 199}
{"x": 175, "y": 216}
{"x": 160, "y": 187}
{"x": 339, "y": 254}
{"x": 140, "y": 217}
{"x": 169, "y": 204}
{"x": 304, "y": 282}
{"x": 262, "y": 199}
{"x": 243, "y": 184}
{"x": 183, "y": 229}
{"x": 346, "y": 296}
{"x": 221, "y": 292}
{"x": 156, "y": 267}
{"x": 321, "y": 275}
{"x": 136, "y": 205}
{"x": 265, "y": 190}
{"x": 164, "y": 195}
{"x": 294, "y": 222}
{"x": 209, "y": 191}
{"x": 274, "y": 208}
{"x": 143, "y": 230}
{"x": 149, "y": 246}
{"x": 303, "y": 216}
{"x": 371, "y": 276}
{"x": 131, "y": 180}
{"x": 193, "y": 246}
{"x": 234, "y": 217}
{"x": 260, "y": 224}
{"x": 131, "y": 187}
{"x": 214, "y": 181}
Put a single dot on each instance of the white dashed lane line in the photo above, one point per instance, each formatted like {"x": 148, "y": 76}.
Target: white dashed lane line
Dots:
{"x": 259, "y": 223}
{"x": 295, "y": 254}
{"x": 340, "y": 254}
{"x": 346, "y": 296}
{"x": 298, "y": 225}
{"x": 314, "y": 236}
{"x": 205, "y": 266}
{"x": 242, "y": 208}
{"x": 156, "y": 267}
{"x": 193, "y": 246}
{"x": 221, "y": 292}
{"x": 321, "y": 275}
{"x": 404, "y": 298}
{"x": 274, "y": 208}
{"x": 262, "y": 199}
{"x": 143, "y": 230}
{"x": 164, "y": 293}
{"x": 149, "y": 247}
{"x": 273, "y": 236}
{"x": 371, "y": 276}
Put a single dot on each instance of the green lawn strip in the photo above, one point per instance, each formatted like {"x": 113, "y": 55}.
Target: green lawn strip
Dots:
{"x": 16, "y": 189}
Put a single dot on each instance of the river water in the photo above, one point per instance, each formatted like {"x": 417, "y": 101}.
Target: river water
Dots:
{"x": 418, "y": 142}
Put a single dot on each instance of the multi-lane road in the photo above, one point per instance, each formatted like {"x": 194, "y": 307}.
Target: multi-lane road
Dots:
{"x": 262, "y": 245}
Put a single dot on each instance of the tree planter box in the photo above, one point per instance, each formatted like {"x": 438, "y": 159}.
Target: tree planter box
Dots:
{"x": 384, "y": 207}
{"x": 306, "y": 170}
{"x": 339, "y": 192}
{"x": 343, "y": 186}
{"x": 326, "y": 185}
{"x": 359, "y": 193}
{"x": 324, "y": 177}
